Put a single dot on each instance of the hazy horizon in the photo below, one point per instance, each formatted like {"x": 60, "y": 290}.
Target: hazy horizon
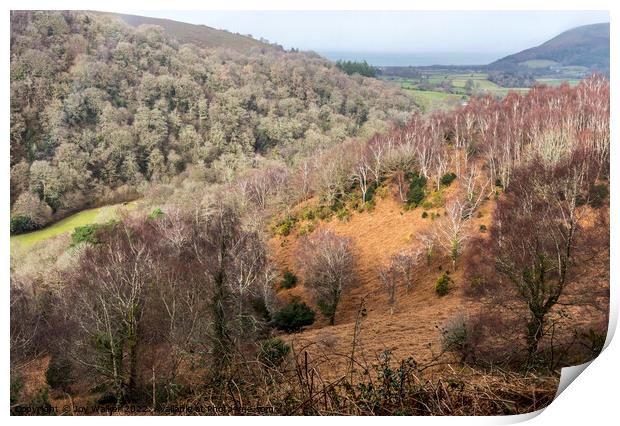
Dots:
{"x": 423, "y": 37}
{"x": 378, "y": 58}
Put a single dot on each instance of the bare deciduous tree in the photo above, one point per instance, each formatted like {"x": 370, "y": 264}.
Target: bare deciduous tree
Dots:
{"x": 326, "y": 262}
{"x": 453, "y": 230}
{"x": 476, "y": 190}
{"x": 398, "y": 273}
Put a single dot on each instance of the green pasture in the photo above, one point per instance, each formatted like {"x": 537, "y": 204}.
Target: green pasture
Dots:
{"x": 68, "y": 224}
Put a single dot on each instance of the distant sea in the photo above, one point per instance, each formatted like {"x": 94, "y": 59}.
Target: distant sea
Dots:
{"x": 414, "y": 59}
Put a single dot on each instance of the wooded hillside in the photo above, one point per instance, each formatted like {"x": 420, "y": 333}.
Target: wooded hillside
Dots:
{"x": 99, "y": 109}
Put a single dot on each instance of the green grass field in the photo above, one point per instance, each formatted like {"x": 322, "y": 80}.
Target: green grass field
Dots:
{"x": 68, "y": 224}
{"x": 434, "y": 97}
{"x": 430, "y": 101}
{"x": 557, "y": 81}
{"x": 538, "y": 63}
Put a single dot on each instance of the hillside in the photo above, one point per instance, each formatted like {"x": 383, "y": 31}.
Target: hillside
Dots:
{"x": 417, "y": 262}
{"x": 200, "y": 35}
{"x": 586, "y": 46}
{"x": 292, "y": 239}
{"x": 100, "y": 108}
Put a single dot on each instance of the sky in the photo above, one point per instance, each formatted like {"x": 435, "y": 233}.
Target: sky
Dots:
{"x": 464, "y": 36}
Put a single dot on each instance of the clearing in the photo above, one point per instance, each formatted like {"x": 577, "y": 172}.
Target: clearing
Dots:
{"x": 68, "y": 224}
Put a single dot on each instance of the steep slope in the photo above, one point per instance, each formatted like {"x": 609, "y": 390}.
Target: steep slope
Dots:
{"x": 412, "y": 328}
{"x": 200, "y": 35}
{"x": 587, "y": 46}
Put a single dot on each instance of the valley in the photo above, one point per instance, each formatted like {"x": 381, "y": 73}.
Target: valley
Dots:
{"x": 306, "y": 237}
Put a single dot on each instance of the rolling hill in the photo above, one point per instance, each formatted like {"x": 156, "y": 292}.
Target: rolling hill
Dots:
{"x": 200, "y": 35}
{"x": 586, "y": 46}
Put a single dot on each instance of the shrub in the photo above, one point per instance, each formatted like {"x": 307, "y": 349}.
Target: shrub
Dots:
{"x": 324, "y": 212}
{"x": 424, "y": 215}
{"x": 417, "y": 191}
{"x": 381, "y": 192}
{"x": 344, "y": 215}
{"x": 155, "y": 214}
{"x": 17, "y": 385}
{"x": 307, "y": 214}
{"x": 58, "y": 374}
{"x": 85, "y": 234}
{"x": 40, "y": 402}
{"x": 22, "y": 223}
{"x": 483, "y": 228}
{"x": 456, "y": 336}
{"x": 427, "y": 205}
{"x": 273, "y": 352}
{"x": 438, "y": 199}
{"x": 289, "y": 280}
{"x": 370, "y": 193}
{"x": 306, "y": 229}
{"x": 293, "y": 317}
{"x": 476, "y": 284}
{"x": 443, "y": 284}
{"x": 598, "y": 194}
{"x": 327, "y": 308}
{"x": 447, "y": 179}
{"x": 285, "y": 226}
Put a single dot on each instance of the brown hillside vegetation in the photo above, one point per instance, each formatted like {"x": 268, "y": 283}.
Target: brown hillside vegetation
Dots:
{"x": 412, "y": 329}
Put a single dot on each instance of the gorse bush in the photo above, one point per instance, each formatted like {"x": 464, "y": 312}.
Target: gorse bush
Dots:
{"x": 417, "y": 191}
{"x": 273, "y": 352}
{"x": 85, "y": 234}
{"x": 293, "y": 317}
{"x": 372, "y": 190}
{"x": 306, "y": 229}
{"x": 307, "y": 214}
{"x": 156, "y": 214}
{"x": 289, "y": 280}
{"x": 343, "y": 215}
{"x": 59, "y": 373}
{"x": 447, "y": 179}
{"x": 90, "y": 233}
{"x": 443, "y": 284}
{"x": 285, "y": 226}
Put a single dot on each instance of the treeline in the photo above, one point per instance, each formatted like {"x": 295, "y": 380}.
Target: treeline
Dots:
{"x": 512, "y": 79}
{"x": 100, "y": 109}
{"x": 354, "y": 67}
{"x": 479, "y": 138}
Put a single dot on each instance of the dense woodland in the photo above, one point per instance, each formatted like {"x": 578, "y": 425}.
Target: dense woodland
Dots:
{"x": 185, "y": 303}
{"x": 99, "y": 109}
